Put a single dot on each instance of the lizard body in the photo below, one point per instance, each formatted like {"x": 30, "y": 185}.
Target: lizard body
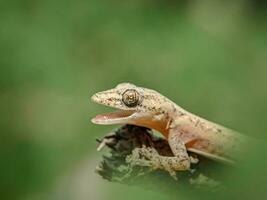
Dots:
{"x": 183, "y": 130}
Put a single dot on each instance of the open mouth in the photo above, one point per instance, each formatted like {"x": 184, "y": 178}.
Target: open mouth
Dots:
{"x": 118, "y": 117}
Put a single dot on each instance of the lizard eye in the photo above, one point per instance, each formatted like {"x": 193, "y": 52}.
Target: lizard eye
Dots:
{"x": 130, "y": 98}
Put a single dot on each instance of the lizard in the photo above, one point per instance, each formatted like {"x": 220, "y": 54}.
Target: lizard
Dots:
{"x": 183, "y": 130}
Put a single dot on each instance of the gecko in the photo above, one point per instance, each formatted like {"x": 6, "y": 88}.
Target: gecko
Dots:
{"x": 184, "y": 131}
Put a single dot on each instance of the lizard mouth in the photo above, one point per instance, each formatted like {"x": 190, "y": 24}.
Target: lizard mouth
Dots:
{"x": 118, "y": 117}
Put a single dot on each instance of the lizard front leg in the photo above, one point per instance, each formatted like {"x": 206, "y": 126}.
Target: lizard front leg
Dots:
{"x": 181, "y": 158}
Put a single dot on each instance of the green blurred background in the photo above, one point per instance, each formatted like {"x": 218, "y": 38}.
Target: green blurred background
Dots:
{"x": 208, "y": 56}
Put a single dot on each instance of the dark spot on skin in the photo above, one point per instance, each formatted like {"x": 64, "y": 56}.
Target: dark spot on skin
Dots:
{"x": 174, "y": 108}
{"x": 170, "y": 164}
{"x": 191, "y": 119}
{"x": 196, "y": 124}
{"x": 160, "y": 162}
{"x": 112, "y": 99}
{"x": 161, "y": 111}
{"x": 219, "y": 130}
{"x": 181, "y": 113}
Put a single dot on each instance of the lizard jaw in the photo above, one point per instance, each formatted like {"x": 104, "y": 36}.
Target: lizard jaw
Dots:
{"x": 119, "y": 117}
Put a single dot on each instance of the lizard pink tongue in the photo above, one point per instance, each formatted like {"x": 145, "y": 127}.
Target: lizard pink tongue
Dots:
{"x": 107, "y": 116}
{"x": 110, "y": 117}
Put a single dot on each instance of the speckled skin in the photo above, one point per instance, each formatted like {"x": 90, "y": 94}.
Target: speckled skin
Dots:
{"x": 183, "y": 130}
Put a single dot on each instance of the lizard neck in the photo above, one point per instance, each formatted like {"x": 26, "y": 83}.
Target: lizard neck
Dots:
{"x": 165, "y": 114}
{"x": 158, "y": 125}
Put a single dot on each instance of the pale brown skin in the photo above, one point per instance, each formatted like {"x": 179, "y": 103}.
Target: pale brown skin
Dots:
{"x": 183, "y": 130}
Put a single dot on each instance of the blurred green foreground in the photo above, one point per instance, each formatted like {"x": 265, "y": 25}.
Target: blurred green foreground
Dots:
{"x": 208, "y": 56}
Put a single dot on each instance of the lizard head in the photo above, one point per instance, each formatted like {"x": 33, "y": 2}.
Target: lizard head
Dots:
{"x": 135, "y": 105}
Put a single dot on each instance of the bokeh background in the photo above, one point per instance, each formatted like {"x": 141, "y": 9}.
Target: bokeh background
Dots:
{"x": 208, "y": 56}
